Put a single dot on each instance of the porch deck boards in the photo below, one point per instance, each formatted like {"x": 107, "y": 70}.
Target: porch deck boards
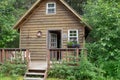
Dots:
{"x": 38, "y": 65}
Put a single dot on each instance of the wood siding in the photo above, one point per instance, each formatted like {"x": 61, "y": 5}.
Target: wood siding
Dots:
{"x": 38, "y": 21}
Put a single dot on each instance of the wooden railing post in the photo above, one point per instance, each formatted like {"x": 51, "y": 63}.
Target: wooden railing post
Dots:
{"x": 0, "y": 55}
{"x": 48, "y": 56}
{"x": 3, "y": 55}
{"x": 27, "y": 57}
{"x": 77, "y": 54}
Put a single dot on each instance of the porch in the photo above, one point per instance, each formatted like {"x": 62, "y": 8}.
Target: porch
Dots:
{"x": 40, "y": 67}
{"x": 53, "y": 55}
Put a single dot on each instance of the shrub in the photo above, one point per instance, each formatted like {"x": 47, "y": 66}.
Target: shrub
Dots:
{"x": 85, "y": 71}
{"x": 15, "y": 68}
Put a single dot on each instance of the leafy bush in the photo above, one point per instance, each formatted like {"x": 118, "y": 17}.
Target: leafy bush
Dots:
{"x": 104, "y": 49}
{"x": 85, "y": 71}
{"x": 15, "y": 68}
{"x": 59, "y": 71}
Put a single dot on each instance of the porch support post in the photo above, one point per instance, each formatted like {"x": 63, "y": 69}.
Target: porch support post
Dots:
{"x": 27, "y": 57}
{"x": 77, "y": 55}
{"x": 48, "y": 53}
{"x": 3, "y": 55}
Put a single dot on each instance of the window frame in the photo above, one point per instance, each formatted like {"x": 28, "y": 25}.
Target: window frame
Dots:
{"x": 74, "y": 36}
{"x": 47, "y": 8}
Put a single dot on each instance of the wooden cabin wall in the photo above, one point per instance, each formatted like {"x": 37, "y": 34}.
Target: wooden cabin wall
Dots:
{"x": 39, "y": 21}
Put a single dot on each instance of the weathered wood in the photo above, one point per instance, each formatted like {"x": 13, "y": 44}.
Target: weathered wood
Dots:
{"x": 39, "y": 21}
{"x": 77, "y": 55}
{"x": 3, "y": 55}
{"x": 48, "y": 52}
{"x": 27, "y": 57}
{"x": 64, "y": 54}
{"x": 0, "y": 55}
{"x": 11, "y": 53}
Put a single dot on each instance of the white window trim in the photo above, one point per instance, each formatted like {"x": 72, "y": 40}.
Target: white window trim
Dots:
{"x": 69, "y": 33}
{"x": 51, "y": 8}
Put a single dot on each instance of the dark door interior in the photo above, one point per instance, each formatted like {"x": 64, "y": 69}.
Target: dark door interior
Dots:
{"x": 54, "y": 39}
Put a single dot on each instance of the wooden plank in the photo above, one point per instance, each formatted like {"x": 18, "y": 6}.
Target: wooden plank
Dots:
{"x": 27, "y": 58}
{"x": 3, "y": 55}
{"x": 77, "y": 54}
{"x": 39, "y": 21}
{"x": 0, "y": 55}
{"x": 53, "y": 25}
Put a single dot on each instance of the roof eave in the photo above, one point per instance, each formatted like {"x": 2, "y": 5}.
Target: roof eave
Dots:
{"x": 74, "y": 12}
{"x": 16, "y": 26}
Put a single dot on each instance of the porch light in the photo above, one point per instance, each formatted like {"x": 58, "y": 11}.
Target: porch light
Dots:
{"x": 39, "y": 34}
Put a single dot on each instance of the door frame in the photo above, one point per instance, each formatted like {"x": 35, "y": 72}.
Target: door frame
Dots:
{"x": 47, "y": 37}
{"x": 50, "y": 40}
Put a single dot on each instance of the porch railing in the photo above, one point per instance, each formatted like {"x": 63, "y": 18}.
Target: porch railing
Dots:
{"x": 10, "y": 54}
{"x": 68, "y": 54}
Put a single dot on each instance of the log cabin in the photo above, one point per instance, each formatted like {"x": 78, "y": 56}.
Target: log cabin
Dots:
{"x": 50, "y": 24}
{"x": 46, "y": 29}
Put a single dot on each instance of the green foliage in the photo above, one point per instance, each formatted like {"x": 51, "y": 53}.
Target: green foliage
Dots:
{"x": 70, "y": 43}
{"x": 7, "y": 19}
{"x": 14, "y": 68}
{"x": 11, "y": 78}
{"x": 85, "y": 71}
{"x": 104, "y": 17}
{"x": 10, "y": 11}
{"x": 77, "y": 5}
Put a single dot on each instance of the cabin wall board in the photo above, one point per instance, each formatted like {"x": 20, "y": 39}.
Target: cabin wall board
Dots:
{"x": 38, "y": 21}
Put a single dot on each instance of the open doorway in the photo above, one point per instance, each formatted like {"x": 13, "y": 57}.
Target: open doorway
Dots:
{"x": 54, "y": 42}
{"x": 54, "y": 39}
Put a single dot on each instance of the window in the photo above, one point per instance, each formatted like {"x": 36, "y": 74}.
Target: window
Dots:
{"x": 51, "y": 8}
{"x": 73, "y": 35}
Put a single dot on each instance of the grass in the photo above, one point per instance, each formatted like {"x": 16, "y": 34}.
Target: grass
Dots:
{"x": 2, "y": 77}
{"x": 54, "y": 79}
{"x": 11, "y": 78}
{"x": 21, "y": 78}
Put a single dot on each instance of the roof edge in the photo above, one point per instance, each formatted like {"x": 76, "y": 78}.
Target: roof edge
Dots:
{"x": 78, "y": 15}
{"x": 16, "y": 26}
{"x": 23, "y": 17}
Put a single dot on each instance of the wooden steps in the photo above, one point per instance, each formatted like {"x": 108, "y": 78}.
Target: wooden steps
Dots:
{"x": 35, "y": 74}
{"x": 29, "y": 78}
{"x": 37, "y": 71}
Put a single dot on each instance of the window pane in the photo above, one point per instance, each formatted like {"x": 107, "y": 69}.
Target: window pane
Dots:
{"x": 73, "y": 39}
{"x": 71, "y": 31}
{"x": 51, "y": 10}
{"x": 75, "y": 34}
{"x": 74, "y": 31}
{"x": 71, "y": 34}
{"x": 51, "y": 5}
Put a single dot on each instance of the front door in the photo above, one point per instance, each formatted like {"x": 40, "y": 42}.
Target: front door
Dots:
{"x": 53, "y": 40}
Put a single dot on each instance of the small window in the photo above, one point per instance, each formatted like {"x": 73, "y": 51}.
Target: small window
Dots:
{"x": 51, "y": 8}
{"x": 73, "y": 35}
